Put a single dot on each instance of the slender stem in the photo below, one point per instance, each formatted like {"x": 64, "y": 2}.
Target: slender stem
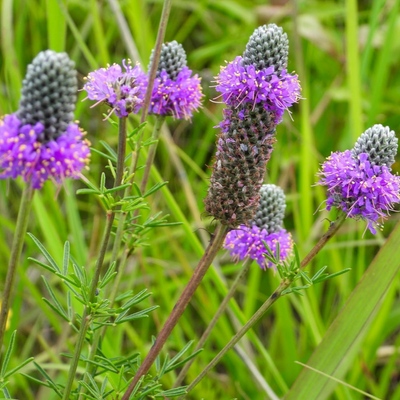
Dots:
{"x": 152, "y": 151}
{"x": 152, "y": 74}
{"x": 334, "y": 227}
{"x": 86, "y": 317}
{"x": 210, "y": 253}
{"x": 242, "y": 273}
{"x": 122, "y": 217}
{"x": 16, "y": 249}
{"x": 121, "y": 151}
{"x": 122, "y": 134}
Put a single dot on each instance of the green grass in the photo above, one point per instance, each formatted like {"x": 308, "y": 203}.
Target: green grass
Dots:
{"x": 348, "y": 65}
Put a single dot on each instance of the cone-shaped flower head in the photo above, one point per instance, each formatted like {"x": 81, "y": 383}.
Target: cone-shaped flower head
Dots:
{"x": 122, "y": 89}
{"x": 267, "y": 47}
{"x": 48, "y": 94}
{"x": 271, "y": 210}
{"x": 360, "y": 182}
{"x": 247, "y": 241}
{"x": 176, "y": 92}
{"x": 256, "y": 99}
{"x": 40, "y": 141}
{"x": 260, "y": 76}
{"x": 380, "y": 143}
{"x": 172, "y": 59}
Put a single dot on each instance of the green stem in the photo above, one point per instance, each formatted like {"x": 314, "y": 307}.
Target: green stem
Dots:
{"x": 242, "y": 273}
{"x": 334, "y": 227}
{"x": 201, "y": 269}
{"x": 16, "y": 249}
{"x": 152, "y": 152}
{"x": 86, "y": 317}
{"x": 152, "y": 74}
{"x": 121, "y": 152}
{"x": 122, "y": 216}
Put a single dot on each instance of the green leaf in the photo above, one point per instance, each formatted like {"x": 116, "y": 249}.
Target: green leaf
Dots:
{"x": 138, "y": 129}
{"x": 180, "y": 354}
{"x": 14, "y": 370}
{"x": 137, "y": 315}
{"x": 7, "y": 357}
{"x": 184, "y": 361}
{"x": 156, "y": 187}
{"x": 46, "y": 254}
{"x": 57, "y": 304}
{"x": 66, "y": 258}
{"x": 180, "y": 391}
{"x": 336, "y": 352}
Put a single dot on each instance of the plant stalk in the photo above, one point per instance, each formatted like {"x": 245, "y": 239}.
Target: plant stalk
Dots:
{"x": 242, "y": 273}
{"x": 334, "y": 227}
{"x": 152, "y": 152}
{"x": 121, "y": 152}
{"x": 86, "y": 317}
{"x": 201, "y": 269}
{"x": 16, "y": 249}
{"x": 152, "y": 74}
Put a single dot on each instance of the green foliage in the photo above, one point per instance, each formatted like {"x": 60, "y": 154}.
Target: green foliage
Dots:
{"x": 338, "y": 98}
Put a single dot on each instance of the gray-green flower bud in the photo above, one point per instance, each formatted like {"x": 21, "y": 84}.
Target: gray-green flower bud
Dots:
{"x": 172, "y": 59}
{"x": 48, "y": 94}
{"x": 271, "y": 209}
{"x": 380, "y": 143}
{"x": 268, "y": 46}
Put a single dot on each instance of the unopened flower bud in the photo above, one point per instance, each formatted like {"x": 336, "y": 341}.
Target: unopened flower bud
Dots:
{"x": 380, "y": 143}
{"x": 48, "y": 94}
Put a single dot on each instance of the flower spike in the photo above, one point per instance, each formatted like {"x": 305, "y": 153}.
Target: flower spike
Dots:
{"x": 176, "y": 92}
{"x": 247, "y": 241}
{"x": 122, "y": 90}
{"x": 40, "y": 141}
{"x": 359, "y": 181}
{"x": 256, "y": 98}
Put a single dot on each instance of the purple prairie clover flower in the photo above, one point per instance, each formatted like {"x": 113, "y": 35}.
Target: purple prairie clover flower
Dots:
{"x": 21, "y": 154}
{"x": 179, "y": 97}
{"x": 239, "y": 84}
{"x": 246, "y": 242}
{"x": 40, "y": 140}
{"x": 122, "y": 90}
{"x": 362, "y": 190}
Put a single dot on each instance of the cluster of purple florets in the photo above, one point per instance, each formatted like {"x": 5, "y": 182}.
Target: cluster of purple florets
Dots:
{"x": 246, "y": 242}
{"x": 124, "y": 91}
{"x": 21, "y": 154}
{"x": 179, "y": 97}
{"x": 363, "y": 191}
{"x": 239, "y": 84}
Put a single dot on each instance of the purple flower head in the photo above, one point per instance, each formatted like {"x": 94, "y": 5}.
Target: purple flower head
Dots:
{"x": 21, "y": 154}
{"x": 363, "y": 191}
{"x": 239, "y": 84}
{"x": 179, "y": 97}
{"x": 247, "y": 242}
{"x": 123, "y": 91}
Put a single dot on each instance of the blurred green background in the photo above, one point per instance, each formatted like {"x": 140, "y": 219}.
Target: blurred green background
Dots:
{"x": 347, "y": 56}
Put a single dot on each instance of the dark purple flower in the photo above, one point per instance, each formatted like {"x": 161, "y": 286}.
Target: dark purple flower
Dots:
{"x": 240, "y": 84}
{"x": 363, "y": 191}
{"x": 21, "y": 154}
{"x": 247, "y": 242}
{"x": 179, "y": 97}
{"x": 123, "y": 91}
